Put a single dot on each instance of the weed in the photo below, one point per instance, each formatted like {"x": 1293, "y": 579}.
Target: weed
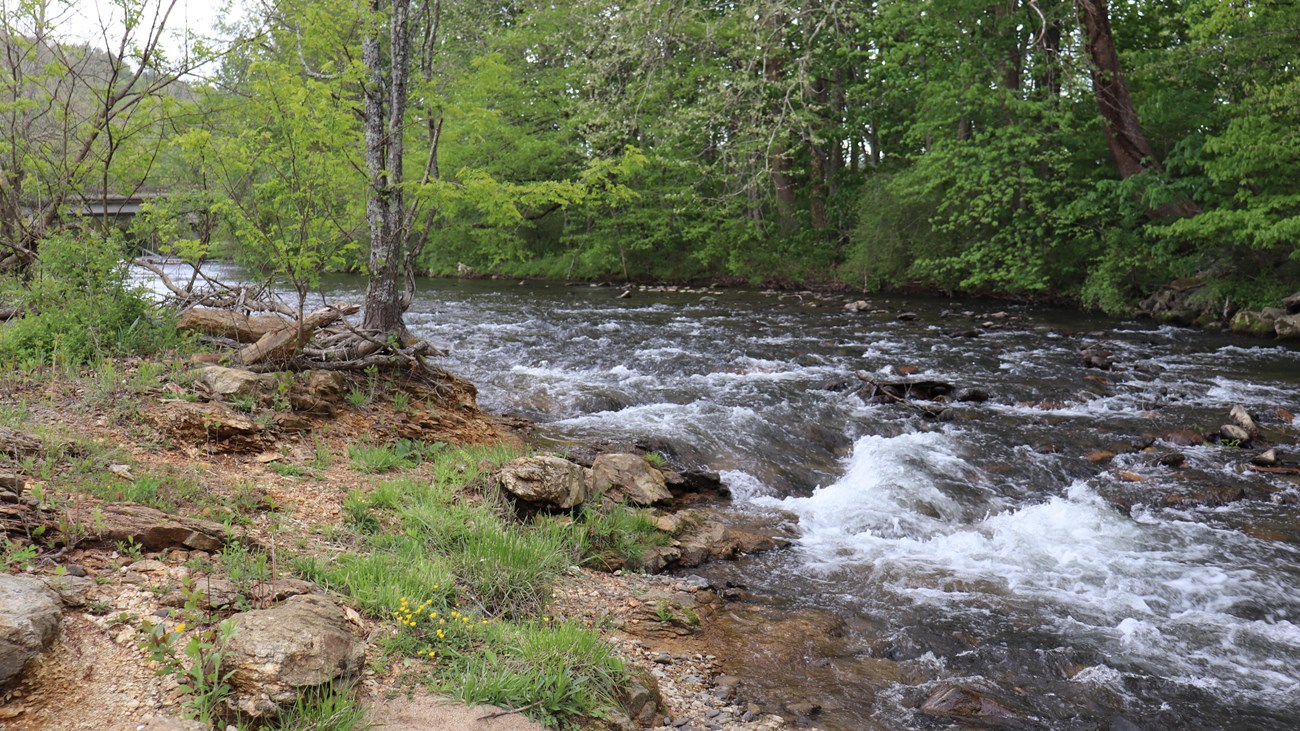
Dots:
{"x": 285, "y": 469}
{"x": 401, "y": 402}
{"x": 243, "y": 404}
{"x": 656, "y": 459}
{"x": 329, "y": 707}
{"x": 356, "y": 397}
{"x": 13, "y": 556}
{"x": 619, "y": 532}
{"x": 402, "y": 454}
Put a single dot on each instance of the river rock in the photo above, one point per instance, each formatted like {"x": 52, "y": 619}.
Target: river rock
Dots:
{"x": 546, "y": 481}
{"x": 1292, "y": 304}
{"x": 277, "y": 652}
{"x": 641, "y": 696}
{"x": 1259, "y": 324}
{"x": 972, "y": 395}
{"x": 879, "y": 392}
{"x": 152, "y": 529}
{"x": 1267, "y": 458}
{"x": 1287, "y": 327}
{"x": 1183, "y": 438}
{"x": 236, "y": 382}
{"x": 1242, "y": 418}
{"x": 964, "y": 704}
{"x": 628, "y": 477}
{"x": 1232, "y": 432}
{"x": 30, "y": 615}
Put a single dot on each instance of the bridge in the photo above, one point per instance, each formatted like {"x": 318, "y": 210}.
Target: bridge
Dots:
{"x": 113, "y": 205}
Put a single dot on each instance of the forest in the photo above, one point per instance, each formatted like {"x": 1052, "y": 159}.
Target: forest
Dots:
{"x": 1083, "y": 151}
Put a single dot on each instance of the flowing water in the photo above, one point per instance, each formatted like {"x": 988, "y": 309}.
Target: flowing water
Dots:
{"x": 982, "y": 551}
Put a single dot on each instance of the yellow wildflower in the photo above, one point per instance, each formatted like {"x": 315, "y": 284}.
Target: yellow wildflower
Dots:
{"x": 180, "y": 628}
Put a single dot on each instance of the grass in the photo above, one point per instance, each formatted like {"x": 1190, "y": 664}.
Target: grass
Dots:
{"x": 401, "y": 454}
{"x": 468, "y": 588}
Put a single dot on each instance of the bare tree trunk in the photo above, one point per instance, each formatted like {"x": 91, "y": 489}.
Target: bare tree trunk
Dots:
{"x": 385, "y": 108}
{"x": 1128, "y": 145}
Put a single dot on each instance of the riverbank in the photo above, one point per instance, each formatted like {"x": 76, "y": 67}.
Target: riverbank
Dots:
{"x": 153, "y": 505}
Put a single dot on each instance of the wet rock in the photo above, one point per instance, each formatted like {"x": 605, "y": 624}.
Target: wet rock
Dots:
{"x": 230, "y": 383}
{"x": 1097, "y": 356}
{"x": 1119, "y": 723}
{"x": 628, "y": 477}
{"x": 972, "y": 395}
{"x": 906, "y": 316}
{"x": 857, "y": 306}
{"x": 695, "y": 481}
{"x": 966, "y": 705}
{"x": 30, "y": 615}
{"x": 880, "y": 392}
{"x": 545, "y": 481}
{"x": 1258, "y": 324}
{"x": 1234, "y": 433}
{"x": 1171, "y": 459}
{"x": 1265, "y": 459}
{"x": 1183, "y": 438}
{"x": 1100, "y": 456}
{"x": 1242, "y": 418}
{"x": 710, "y": 535}
{"x": 152, "y": 529}
{"x": 806, "y": 709}
{"x": 1287, "y": 327}
{"x": 276, "y": 652}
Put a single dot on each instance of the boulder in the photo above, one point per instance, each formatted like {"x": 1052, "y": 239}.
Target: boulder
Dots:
{"x": 546, "y": 481}
{"x": 1234, "y": 433}
{"x": 236, "y": 382}
{"x": 17, "y": 445}
{"x": 277, "y": 652}
{"x": 229, "y": 324}
{"x": 11, "y": 487}
{"x": 1292, "y": 304}
{"x": 1258, "y": 323}
{"x": 628, "y": 477}
{"x": 30, "y": 614}
{"x": 152, "y": 529}
{"x": 1242, "y": 418}
{"x": 1287, "y": 327}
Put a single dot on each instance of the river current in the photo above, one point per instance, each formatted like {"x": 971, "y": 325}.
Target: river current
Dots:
{"x": 981, "y": 551}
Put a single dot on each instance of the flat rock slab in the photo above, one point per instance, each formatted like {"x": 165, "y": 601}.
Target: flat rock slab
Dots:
{"x": 628, "y": 477}
{"x": 30, "y": 616}
{"x": 423, "y": 712}
{"x": 153, "y": 529}
{"x": 211, "y": 424}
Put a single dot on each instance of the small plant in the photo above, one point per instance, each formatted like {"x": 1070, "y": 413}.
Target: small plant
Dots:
{"x": 356, "y": 397}
{"x": 402, "y": 454}
{"x": 656, "y": 459}
{"x": 663, "y": 612}
{"x": 284, "y": 469}
{"x": 401, "y": 402}
{"x": 14, "y": 556}
{"x": 322, "y": 457}
{"x": 243, "y": 404}
{"x": 129, "y": 548}
{"x": 199, "y": 675}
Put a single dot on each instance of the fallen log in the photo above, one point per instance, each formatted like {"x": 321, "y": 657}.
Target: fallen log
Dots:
{"x": 229, "y": 324}
{"x": 285, "y": 343}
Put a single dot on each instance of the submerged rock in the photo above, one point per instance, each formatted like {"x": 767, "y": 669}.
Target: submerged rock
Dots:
{"x": 1287, "y": 327}
{"x": 964, "y": 704}
{"x": 1259, "y": 324}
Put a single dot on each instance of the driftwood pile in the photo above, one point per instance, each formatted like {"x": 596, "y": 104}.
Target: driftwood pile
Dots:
{"x": 270, "y": 335}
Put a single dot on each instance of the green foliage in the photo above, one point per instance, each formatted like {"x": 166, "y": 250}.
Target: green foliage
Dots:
{"x": 619, "y": 531}
{"x": 81, "y": 307}
{"x": 401, "y": 454}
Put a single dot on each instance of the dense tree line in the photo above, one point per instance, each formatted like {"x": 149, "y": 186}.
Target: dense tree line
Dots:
{"x": 1025, "y": 147}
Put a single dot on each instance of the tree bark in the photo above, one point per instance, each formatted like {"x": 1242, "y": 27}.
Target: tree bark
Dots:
{"x": 383, "y": 113}
{"x": 1128, "y": 145}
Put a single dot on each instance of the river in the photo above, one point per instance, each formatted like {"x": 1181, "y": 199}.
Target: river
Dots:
{"x": 982, "y": 551}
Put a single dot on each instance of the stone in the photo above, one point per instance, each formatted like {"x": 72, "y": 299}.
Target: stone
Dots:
{"x": 11, "y": 487}
{"x": 1258, "y": 324}
{"x": 214, "y": 592}
{"x": 169, "y": 723}
{"x": 628, "y": 477}
{"x": 963, "y": 704}
{"x": 1171, "y": 459}
{"x": 546, "y": 481}
{"x": 1184, "y": 438}
{"x": 1100, "y": 456}
{"x": 277, "y": 652}
{"x": 1292, "y": 304}
{"x": 152, "y": 529}
{"x": 1266, "y": 458}
{"x": 1234, "y": 433}
{"x": 30, "y": 616}
{"x": 972, "y": 395}
{"x": 211, "y": 424}
{"x": 1242, "y": 418}
{"x": 72, "y": 590}
{"x": 1287, "y": 327}
{"x": 238, "y": 383}
{"x": 642, "y": 698}
{"x": 229, "y": 324}
{"x": 17, "y": 445}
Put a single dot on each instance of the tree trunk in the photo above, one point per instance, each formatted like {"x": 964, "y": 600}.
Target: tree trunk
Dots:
{"x": 385, "y": 108}
{"x": 1128, "y": 145}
